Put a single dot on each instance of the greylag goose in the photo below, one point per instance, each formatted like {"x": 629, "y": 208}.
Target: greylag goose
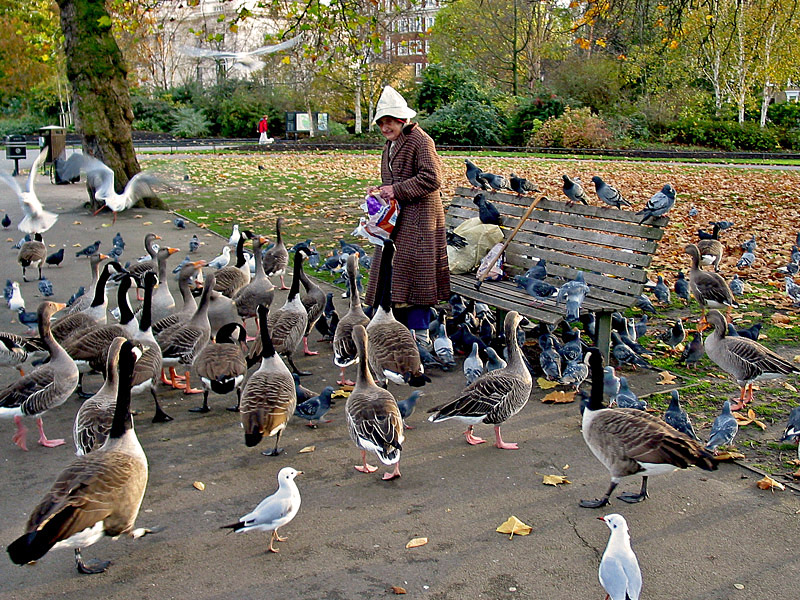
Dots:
{"x": 45, "y": 387}
{"x": 15, "y": 350}
{"x": 185, "y": 277}
{"x": 221, "y": 311}
{"x": 180, "y": 344}
{"x": 314, "y": 302}
{"x": 632, "y": 442}
{"x": 709, "y": 289}
{"x": 260, "y": 289}
{"x": 746, "y": 360}
{"x": 344, "y": 349}
{"x": 230, "y": 279}
{"x": 221, "y": 366}
{"x": 85, "y": 300}
{"x": 495, "y": 396}
{"x": 98, "y": 494}
{"x": 269, "y": 398}
{"x": 32, "y": 254}
{"x": 163, "y": 303}
{"x": 373, "y": 418}
{"x": 276, "y": 259}
{"x": 393, "y": 352}
{"x": 94, "y": 417}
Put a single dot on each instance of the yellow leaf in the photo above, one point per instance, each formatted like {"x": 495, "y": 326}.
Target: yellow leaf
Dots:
{"x": 286, "y": 60}
{"x": 108, "y": 225}
{"x": 768, "y": 483}
{"x": 199, "y": 485}
{"x": 559, "y": 397}
{"x": 554, "y": 479}
{"x": 137, "y": 216}
{"x": 789, "y": 387}
{"x": 416, "y": 542}
{"x": 147, "y": 223}
{"x": 667, "y": 378}
{"x": 778, "y": 318}
{"x": 546, "y": 384}
{"x": 729, "y": 456}
{"x": 76, "y": 222}
{"x": 514, "y": 526}
{"x": 340, "y": 394}
{"x": 396, "y": 589}
{"x": 307, "y": 449}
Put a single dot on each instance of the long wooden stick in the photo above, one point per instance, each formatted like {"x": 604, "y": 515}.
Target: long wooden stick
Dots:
{"x": 522, "y": 220}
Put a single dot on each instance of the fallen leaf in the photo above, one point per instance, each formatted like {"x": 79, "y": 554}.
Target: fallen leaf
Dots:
{"x": 109, "y": 225}
{"x": 667, "y": 378}
{"x": 416, "y": 542}
{"x": 340, "y": 394}
{"x": 77, "y": 245}
{"x": 738, "y": 586}
{"x": 749, "y": 418}
{"x": 514, "y": 526}
{"x": 779, "y": 318}
{"x": 76, "y": 222}
{"x": 559, "y": 397}
{"x": 729, "y": 456}
{"x": 546, "y": 384}
{"x": 199, "y": 485}
{"x": 167, "y": 221}
{"x": 137, "y": 216}
{"x": 9, "y": 239}
{"x": 147, "y": 223}
{"x": 307, "y": 449}
{"x": 789, "y": 387}
{"x": 768, "y": 483}
{"x": 554, "y": 479}
{"x": 398, "y": 590}
{"x": 51, "y": 245}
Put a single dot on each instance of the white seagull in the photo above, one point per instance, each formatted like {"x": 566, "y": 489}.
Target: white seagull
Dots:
{"x": 273, "y": 511}
{"x": 243, "y": 61}
{"x": 36, "y": 219}
{"x": 619, "y": 571}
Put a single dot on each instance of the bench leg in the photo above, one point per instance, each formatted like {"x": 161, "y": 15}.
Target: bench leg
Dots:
{"x": 603, "y": 330}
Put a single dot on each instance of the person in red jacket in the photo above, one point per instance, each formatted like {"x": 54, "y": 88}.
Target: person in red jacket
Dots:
{"x": 263, "y": 131}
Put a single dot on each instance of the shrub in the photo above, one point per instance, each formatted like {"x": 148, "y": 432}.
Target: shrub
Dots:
{"x": 531, "y": 113}
{"x": 575, "y": 128}
{"x": 24, "y": 125}
{"x": 467, "y": 123}
{"x": 786, "y": 114}
{"x": 594, "y": 81}
{"x": 725, "y": 135}
{"x": 441, "y": 85}
{"x": 152, "y": 114}
{"x": 189, "y": 123}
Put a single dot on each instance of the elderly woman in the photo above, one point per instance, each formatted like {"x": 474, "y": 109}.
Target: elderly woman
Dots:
{"x": 411, "y": 172}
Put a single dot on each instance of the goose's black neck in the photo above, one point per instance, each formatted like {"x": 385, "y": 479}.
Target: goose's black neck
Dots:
{"x": 597, "y": 374}
{"x": 122, "y": 421}
{"x": 125, "y": 313}
{"x": 147, "y": 304}
{"x": 267, "y": 349}
{"x": 296, "y": 275}
{"x": 383, "y": 297}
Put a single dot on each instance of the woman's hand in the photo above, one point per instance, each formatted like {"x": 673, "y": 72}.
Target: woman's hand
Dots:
{"x": 387, "y": 192}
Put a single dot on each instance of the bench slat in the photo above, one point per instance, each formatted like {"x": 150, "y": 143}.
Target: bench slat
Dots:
{"x": 612, "y": 255}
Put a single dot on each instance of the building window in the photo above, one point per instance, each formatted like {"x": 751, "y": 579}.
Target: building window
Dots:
{"x": 418, "y": 69}
{"x": 427, "y": 47}
{"x": 793, "y": 96}
{"x": 429, "y": 21}
{"x": 402, "y": 49}
{"x": 415, "y": 47}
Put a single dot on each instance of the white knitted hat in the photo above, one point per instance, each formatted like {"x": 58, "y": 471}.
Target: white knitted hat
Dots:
{"x": 392, "y": 104}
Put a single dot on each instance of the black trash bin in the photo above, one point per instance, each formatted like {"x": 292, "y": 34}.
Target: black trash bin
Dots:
{"x": 16, "y": 150}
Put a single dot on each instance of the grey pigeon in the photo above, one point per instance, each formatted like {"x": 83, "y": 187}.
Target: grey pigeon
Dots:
{"x": 572, "y": 348}
{"x": 549, "y": 359}
{"x": 45, "y": 287}
{"x": 473, "y": 365}
{"x": 179, "y": 223}
{"x": 676, "y": 417}
{"x": 8, "y": 291}
{"x": 180, "y": 265}
{"x": 794, "y": 256}
{"x": 736, "y": 285}
{"x": 535, "y": 287}
{"x": 661, "y": 291}
{"x": 659, "y": 204}
{"x": 575, "y": 373}
{"x": 487, "y": 212}
{"x": 537, "y": 271}
{"x": 724, "y": 429}
{"x": 749, "y": 245}
{"x": 626, "y": 398}
{"x": 443, "y": 347}
{"x": 573, "y": 293}
{"x": 89, "y": 250}
{"x": 625, "y": 355}
{"x": 610, "y": 383}
{"x": 522, "y": 186}
{"x": 674, "y": 335}
{"x": 693, "y": 212}
{"x": 732, "y": 330}
{"x": 747, "y": 260}
{"x": 80, "y": 292}
{"x": 427, "y": 358}
{"x": 793, "y": 290}
{"x": 497, "y": 182}
{"x": 473, "y": 173}
{"x": 115, "y": 253}
{"x": 723, "y": 224}
{"x": 619, "y": 571}
{"x": 194, "y": 243}
{"x": 641, "y": 326}
{"x": 118, "y": 241}
{"x": 682, "y": 286}
{"x": 406, "y": 407}
{"x": 608, "y": 194}
{"x": 574, "y": 191}
{"x": 693, "y": 351}
{"x": 751, "y": 332}
{"x": 493, "y": 362}
{"x": 792, "y": 431}
{"x": 25, "y": 238}
{"x": 643, "y": 303}
{"x": 314, "y": 409}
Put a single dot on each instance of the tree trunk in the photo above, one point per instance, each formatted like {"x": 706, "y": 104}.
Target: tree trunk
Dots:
{"x": 357, "y": 106}
{"x": 97, "y": 77}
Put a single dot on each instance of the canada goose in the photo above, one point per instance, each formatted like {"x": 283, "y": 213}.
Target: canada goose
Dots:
{"x": 269, "y": 398}
{"x": 94, "y": 417}
{"x": 32, "y": 254}
{"x": 221, "y": 366}
{"x": 163, "y": 303}
{"x": 15, "y": 350}
{"x": 85, "y": 300}
{"x": 98, "y": 494}
{"x": 745, "y": 359}
{"x": 314, "y": 303}
{"x": 344, "y": 348}
{"x": 373, "y": 418}
{"x": 710, "y": 250}
{"x": 230, "y": 279}
{"x": 45, "y": 387}
{"x": 185, "y": 276}
{"x": 495, "y": 396}
{"x": 632, "y": 442}
{"x": 94, "y": 314}
{"x": 709, "y": 289}
{"x": 260, "y": 289}
{"x": 276, "y": 259}
{"x": 180, "y": 344}
{"x": 393, "y": 352}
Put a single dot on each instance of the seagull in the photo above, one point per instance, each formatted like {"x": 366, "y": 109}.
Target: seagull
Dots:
{"x": 246, "y": 62}
{"x": 55, "y": 258}
{"x": 235, "y": 235}
{"x": 194, "y": 243}
{"x": 677, "y": 417}
{"x": 222, "y": 260}
{"x": 659, "y": 204}
{"x": 273, "y": 511}
{"x": 102, "y": 179}
{"x": 619, "y": 571}
{"x": 574, "y": 191}
{"x": 36, "y": 219}
{"x": 608, "y": 194}
{"x": 724, "y": 428}
{"x": 16, "y": 301}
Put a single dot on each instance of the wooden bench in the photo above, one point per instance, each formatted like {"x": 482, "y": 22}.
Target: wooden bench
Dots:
{"x": 607, "y": 244}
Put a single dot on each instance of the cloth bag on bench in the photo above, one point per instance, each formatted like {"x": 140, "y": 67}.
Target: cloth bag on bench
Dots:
{"x": 480, "y": 239}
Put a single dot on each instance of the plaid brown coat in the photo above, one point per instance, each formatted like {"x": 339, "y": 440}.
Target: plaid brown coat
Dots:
{"x": 421, "y": 274}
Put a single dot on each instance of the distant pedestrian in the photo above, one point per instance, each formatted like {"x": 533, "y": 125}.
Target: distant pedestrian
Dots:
{"x": 263, "y": 132}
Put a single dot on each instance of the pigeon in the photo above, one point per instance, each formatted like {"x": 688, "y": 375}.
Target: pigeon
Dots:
{"x": 487, "y": 212}
{"x": 608, "y": 194}
{"x": 27, "y": 318}
{"x": 55, "y": 258}
{"x": 724, "y": 429}
{"x": 46, "y": 287}
{"x": 537, "y": 271}
{"x": 626, "y": 398}
{"x": 792, "y": 431}
{"x": 643, "y": 303}
{"x": 619, "y": 571}
{"x": 473, "y": 173}
{"x": 89, "y": 250}
{"x": 315, "y": 408}
{"x": 641, "y": 326}
{"x": 443, "y": 347}
{"x": 674, "y": 335}
{"x": 302, "y": 392}
{"x": 749, "y": 245}
{"x": 732, "y": 331}
{"x": 25, "y": 238}
{"x": 572, "y": 348}
{"x": 624, "y": 354}
{"x": 659, "y": 204}
{"x": 704, "y": 235}
{"x": 610, "y": 383}
{"x": 575, "y": 373}
{"x": 78, "y": 293}
{"x": 535, "y": 287}
{"x": 16, "y": 301}
{"x": 549, "y": 359}
{"x": 497, "y": 182}
{"x": 179, "y": 223}
{"x": 795, "y": 254}
{"x": 493, "y": 361}
{"x": 118, "y": 241}
{"x": 693, "y": 351}
{"x": 522, "y": 186}
{"x": 486, "y": 330}
{"x": 793, "y": 290}
{"x": 6, "y": 222}
{"x": 791, "y": 269}
{"x": 693, "y": 212}
{"x": 676, "y": 417}
{"x": 682, "y": 286}
{"x": 115, "y": 253}
{"x": 8, "y": 290}
{"x": 194, "y": 243}
{"x": 426, "y": 357}
{"x": 661, "y": 291}
{"x": 407, "y": 406}
{"x": 747, "y": 260}
{"x": 473, "y": 365}
{"x": 221, "y": 260}
{"x": 273, "y": 511}
{"x": 574, "y": 191}
{"x": 722, "y": 224}
{"x": 36, "y": 219}
{"x": 572, "y": 293}
{"x": 751, "y": 332}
